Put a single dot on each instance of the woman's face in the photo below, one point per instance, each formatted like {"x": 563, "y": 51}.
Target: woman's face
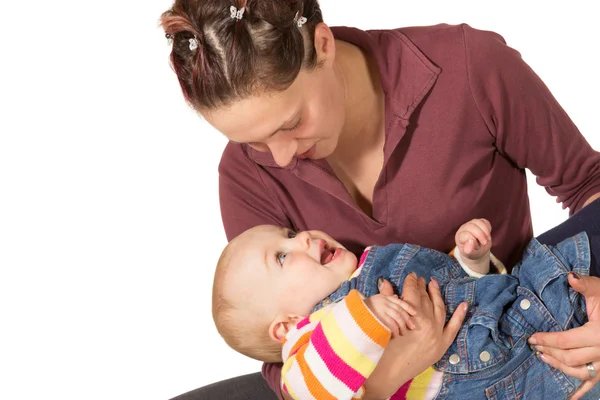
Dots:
{"x": 304, "y": 121}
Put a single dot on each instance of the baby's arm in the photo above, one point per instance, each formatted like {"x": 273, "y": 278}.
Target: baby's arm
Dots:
{"x": 473, "y": 244}
{"x": 332, "y": 353}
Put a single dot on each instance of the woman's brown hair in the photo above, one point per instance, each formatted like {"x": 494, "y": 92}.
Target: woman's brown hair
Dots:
{"x": 235, "y": 58}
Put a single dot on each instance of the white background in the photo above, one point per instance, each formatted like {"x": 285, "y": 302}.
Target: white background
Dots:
{"x": 109, "y": 216}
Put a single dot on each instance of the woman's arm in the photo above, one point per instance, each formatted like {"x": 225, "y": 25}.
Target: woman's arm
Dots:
{"x": 245, "y": 200}
{"x": 528, "y": 125}
{"x": 416, "y": 350}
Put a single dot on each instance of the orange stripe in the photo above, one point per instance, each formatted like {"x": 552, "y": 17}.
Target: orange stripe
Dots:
{"x": 302, "y": 340}
{"x": 314, "y": 386}
{"x": 365, "y": 320}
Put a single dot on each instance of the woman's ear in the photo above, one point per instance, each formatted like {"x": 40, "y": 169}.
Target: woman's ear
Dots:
{"x": 282, "y": 325}
{"x": 324, "y": 44}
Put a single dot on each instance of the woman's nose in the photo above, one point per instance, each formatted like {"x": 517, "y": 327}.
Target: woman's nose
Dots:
{"x": 283, "y": 151}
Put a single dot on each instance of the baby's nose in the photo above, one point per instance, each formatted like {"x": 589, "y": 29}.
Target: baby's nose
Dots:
{"x": 304, "y": 238}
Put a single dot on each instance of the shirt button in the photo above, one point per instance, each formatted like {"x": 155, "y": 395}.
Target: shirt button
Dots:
{"x": 484, "y": 356}
{"x": 525, "y": 304}
{"x": 454, "y": 359}
{"x": 327, "y": 302}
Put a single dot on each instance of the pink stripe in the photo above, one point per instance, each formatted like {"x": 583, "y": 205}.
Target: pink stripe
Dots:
{"x": 303, "y": 323}
{"x": 345, "y": 373}
{"x": 363, "y": 257}
{"x": 402, "y": 392}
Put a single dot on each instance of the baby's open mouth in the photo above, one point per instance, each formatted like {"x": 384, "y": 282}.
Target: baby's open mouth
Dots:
{"x": 327, "y": 255}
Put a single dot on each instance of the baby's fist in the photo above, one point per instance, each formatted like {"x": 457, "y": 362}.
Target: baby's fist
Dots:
{"x": 474, "y": 239}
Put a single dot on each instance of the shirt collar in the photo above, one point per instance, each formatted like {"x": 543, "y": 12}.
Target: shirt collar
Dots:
{"x": 406, "y": 74}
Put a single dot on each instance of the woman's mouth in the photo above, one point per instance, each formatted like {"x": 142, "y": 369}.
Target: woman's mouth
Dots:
{"x": 309, "y": 153}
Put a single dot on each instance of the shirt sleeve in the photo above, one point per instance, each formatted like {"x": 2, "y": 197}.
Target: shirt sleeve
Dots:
{"x": 495, "y": 262}
{"x": 331, "y": 354}
{"x": 529, "y": 126}
{"x": 244, "y": 199}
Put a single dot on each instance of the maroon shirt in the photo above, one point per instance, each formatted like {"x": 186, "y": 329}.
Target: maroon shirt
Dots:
{"x": 465, "y": 115}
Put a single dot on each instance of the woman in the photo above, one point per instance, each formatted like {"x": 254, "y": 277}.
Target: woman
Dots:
{"x": 379, "y": 137}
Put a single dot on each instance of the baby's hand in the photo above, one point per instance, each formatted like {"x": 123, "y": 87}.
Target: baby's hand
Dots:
{"x": 474, "y": 239}
{"x": 392, "y": 312}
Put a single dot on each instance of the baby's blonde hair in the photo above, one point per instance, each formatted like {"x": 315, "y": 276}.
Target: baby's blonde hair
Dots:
{"x": 244, "y": 329}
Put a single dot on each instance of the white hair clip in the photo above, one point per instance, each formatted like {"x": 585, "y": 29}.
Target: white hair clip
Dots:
{"x": 235, "y": 13}
{"x": 193, "y": 43}
{"x": 299, "y": 20}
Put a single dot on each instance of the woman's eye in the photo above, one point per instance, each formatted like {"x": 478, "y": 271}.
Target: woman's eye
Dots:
{"x": 291, "y": 234}
{"x": 295, "y": 128}
{"x": 281, "y": 258}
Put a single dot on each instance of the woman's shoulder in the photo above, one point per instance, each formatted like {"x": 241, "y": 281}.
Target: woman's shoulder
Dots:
{"x": 235, "y": 159}
{"x": 236, "y": 165}
{"x": 448, "y": 35}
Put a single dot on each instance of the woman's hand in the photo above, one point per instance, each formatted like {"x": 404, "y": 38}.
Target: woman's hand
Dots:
{"x": 570, "y": 351}
{"x": 415, "y": 350}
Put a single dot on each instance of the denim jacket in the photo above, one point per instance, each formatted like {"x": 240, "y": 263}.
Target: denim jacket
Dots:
{"x": 504, "y": 310}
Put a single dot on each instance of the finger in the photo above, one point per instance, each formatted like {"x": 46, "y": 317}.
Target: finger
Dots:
{"x": 396, "y": 320}
{"x": 385, "y": 287}
{"x": 455, "y": 323}
{"x": 401, "y": 318}
{"x": 402, "y": 304}
{"x": 583, "y": 336}
{"x": 439, "y": 308}
{"x": 464, "y": 237}
{"x": 587, "y": 285}
{"x": 585, "y": 387}
{"x": 426, "y": 304}
{"x": 410, "y": 291}
{"x": 487, "y": 223}
{"x": 391, "y": 324}
{"x": 485, "y": 227}
{"x": 581, "y": 372}
{"x": 572, "y": 357}
{"x": 406, "y": 318}
{"x": 478, "y": 233}
{"x": 469, "y": 247}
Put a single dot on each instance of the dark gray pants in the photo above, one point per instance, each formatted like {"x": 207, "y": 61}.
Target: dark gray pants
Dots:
{"x": 246, "y": 387}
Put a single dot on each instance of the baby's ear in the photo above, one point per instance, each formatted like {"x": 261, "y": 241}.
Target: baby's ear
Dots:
{"x": 282, "y": 325}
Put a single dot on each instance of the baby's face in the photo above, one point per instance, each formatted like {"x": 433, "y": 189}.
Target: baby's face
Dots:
{"x": 293, "y": 270}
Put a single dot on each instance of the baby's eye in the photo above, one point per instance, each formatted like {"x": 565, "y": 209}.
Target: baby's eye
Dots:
{"x": 281, "y": 258}
{"x": 291, "y": 234}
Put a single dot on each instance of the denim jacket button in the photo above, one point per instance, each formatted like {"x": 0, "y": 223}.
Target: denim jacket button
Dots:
{"x": 484, "y": 356}
{"x": 454, "y": 359}
{"x": 326, "y": 302}
{"x": 525, "y": 304}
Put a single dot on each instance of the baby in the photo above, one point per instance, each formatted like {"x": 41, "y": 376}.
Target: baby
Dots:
{"x": 306, "y": 293}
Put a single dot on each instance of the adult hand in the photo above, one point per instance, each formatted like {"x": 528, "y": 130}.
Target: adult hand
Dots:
{"x": 571, "y": 351}
{"x": 415, "y": 350}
